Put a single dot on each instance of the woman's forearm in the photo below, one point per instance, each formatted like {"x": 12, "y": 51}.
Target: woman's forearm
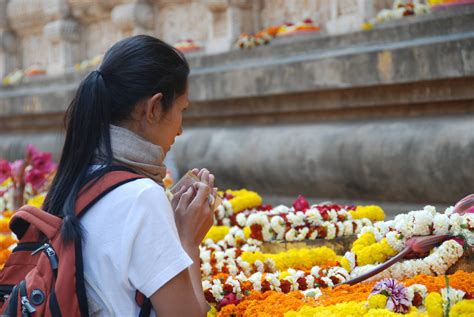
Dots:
{"x": 195, "y": 273}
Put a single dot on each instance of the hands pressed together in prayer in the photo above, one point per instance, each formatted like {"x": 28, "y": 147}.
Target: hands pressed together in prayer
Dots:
{"x": 193, "y": 208}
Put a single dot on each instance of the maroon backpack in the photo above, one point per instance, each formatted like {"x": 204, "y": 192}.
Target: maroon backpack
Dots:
{"x": 44, "y": 275}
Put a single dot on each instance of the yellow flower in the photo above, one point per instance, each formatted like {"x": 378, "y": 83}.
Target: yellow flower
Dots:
{"x": 212, "y": 312}
{"x": 294, "y": 258}
{"x": 244, "y": 199}
{"x": 338, "y": 310}
{"x": 217, "y": 233}
{"x": 464, "y": 308}
{"x": 377, "y": 301}
{"x": 369, "y": 251}
{"x": 434, "y": 305}
{"x": 367, "y": 26}
{"x": 6, "y": 182}
{"x": 372, "y": 212}
{"x": 345, "y": 263}
{"x": 247, "y": 232}
{"x": 37, "y": 201}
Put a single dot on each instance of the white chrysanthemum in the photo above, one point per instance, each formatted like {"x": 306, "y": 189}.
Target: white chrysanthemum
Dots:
{"x": 259, "y": 266}
{"x": 227, "y": 205}
{"x": 314, "y": 217}
{"x": 422, "y": 222}
{"x": 430, "y": 209}
{"x": 234, "y": 283}
{"x": 273, "y": 280}
{"x": 310, "y": 281}
{"x": 270, "y": 263}
{"x": 330, "y": 230}
{"x": 449, "y": 211}
{"x": 256, "y": 280}
{"x": 280, "y": 209}
{"x": 226, "y": 222}
{"x": 350, "y": 256}
{"x": 293, "y": 281}
{"x": 327, "y": 281}
{"x": 302, "y": 234}
{"x": 241, "y": 277}
{"x": 278, "y": 225}
{"x": 313, "y": 293}
{"x": 451, "y": 296}
{"x": 220, "y": 212}
{"x": 340, "y": 229}
{"x": 455, "y": 221}
{"x": 217, "y": 290}
{"x": 206, "y": 269}
{"x": 291, "y": 235}
{"x": 359, "y": 225}
{"x": 441, "y": 224}
{"x": 315, "y": 271}
{"x": 313, "y": 235}
{"x": 332, "y": 215}
{"x": 205, "y": 255}
{"x": 206, "y": 284}
{"x": 241, "y": 219}
{"x": 382, "y": 227}
{"x": 348, "y": 228}
{"x": 417, "y": 288}
{"x": 395, "y": 240}
{"x": 340, "y": 273}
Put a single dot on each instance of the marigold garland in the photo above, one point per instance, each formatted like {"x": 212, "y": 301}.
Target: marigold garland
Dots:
{"x": 372, "y": 212}
{"x": 299, "y": 259}
{"x": 369, "y": 251}
{"x": 217, "y": 233}
{"x": 244, "y": 199}
{"x": 464, "y": 308}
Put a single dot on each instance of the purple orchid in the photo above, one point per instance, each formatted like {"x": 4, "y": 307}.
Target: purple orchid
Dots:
{"x": 5, "y": 170}
{"x": 396, "y": 292}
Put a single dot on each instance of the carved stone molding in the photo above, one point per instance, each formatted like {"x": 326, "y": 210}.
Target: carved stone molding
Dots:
{"x": 229, "y": 19}
{"x": 26, "y": 16}
{"x": 222, "y": 5}
{"x": 136, "y": 17}
{"x": 62, "y": 30}
{"x": 63, "y": 44}
{"x": 88, "y": 11}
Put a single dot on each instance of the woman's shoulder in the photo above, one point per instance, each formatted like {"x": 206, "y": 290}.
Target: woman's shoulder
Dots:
{"x": 140, "y": 187}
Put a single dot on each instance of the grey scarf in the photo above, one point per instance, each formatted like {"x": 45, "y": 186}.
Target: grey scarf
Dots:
{"x": 135, "y": 152}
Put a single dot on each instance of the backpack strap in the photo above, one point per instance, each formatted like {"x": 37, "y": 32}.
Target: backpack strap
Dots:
{"x": 96, "y": 188}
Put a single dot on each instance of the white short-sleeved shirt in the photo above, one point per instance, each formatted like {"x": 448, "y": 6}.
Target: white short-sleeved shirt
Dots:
{"x": 131, "y": 243}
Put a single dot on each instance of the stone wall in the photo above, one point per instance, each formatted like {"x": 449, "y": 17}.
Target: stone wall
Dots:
{"x": 385, "y": 115}
{"x": 56, "y": 34}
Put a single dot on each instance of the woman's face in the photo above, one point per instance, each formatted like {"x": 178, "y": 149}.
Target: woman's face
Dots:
{"x": 169, "y": 124}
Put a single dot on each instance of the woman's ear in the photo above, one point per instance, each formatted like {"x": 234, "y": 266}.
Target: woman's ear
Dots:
{"x": 153, "y": 108}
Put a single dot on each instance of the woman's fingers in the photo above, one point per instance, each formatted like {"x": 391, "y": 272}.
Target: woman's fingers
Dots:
{"x": 185, "y": 199}
{"x": 202, "y": 196}
{"x": 177, "y": 197}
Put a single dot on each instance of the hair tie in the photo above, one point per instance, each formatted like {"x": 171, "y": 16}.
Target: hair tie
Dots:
{"x": 99, "y": 72}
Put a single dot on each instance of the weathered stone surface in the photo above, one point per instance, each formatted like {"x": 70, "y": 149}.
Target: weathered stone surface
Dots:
{"x": 425, "y": 160}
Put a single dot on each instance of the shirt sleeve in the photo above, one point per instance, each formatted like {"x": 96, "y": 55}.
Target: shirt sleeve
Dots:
{"x": 151, "y": 242}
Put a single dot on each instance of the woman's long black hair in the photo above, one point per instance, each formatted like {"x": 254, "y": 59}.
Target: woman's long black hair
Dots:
{"x": 133, "y": 69}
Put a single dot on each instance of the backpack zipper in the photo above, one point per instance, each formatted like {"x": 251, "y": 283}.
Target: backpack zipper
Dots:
{"x": 50, "y": 253}
{"x": 27, "y": 308}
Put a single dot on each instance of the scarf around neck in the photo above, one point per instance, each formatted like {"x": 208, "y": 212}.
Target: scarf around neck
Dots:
{"x": 133, "y": 151}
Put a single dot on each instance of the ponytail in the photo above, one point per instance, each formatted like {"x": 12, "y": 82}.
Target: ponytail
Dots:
{"x": 87, "y": 121}
{"x": 132, "y": 70}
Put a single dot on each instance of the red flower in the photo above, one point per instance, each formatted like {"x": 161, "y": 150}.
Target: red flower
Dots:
{"x": 5, "y": 170}
{"x": 35, "y": 177}
{"x": 300, "y": 204}
{"x": 228, "y": 299}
